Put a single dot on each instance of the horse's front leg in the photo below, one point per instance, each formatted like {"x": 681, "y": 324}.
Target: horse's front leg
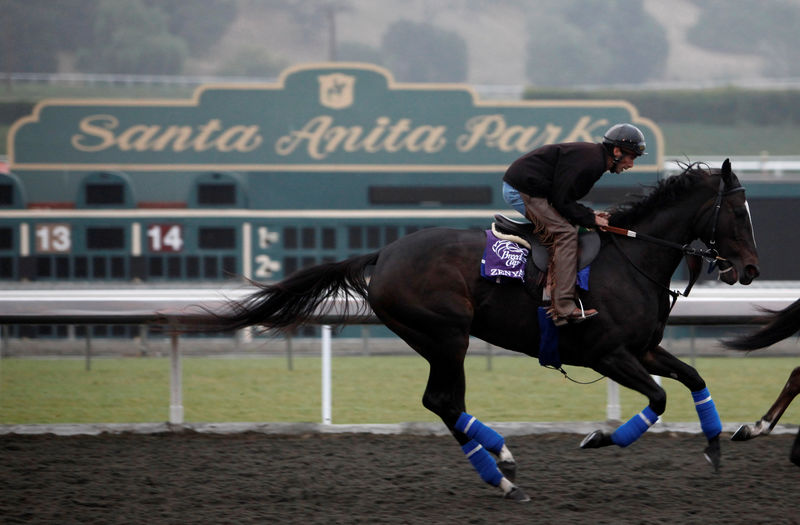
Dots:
{"x": 764, "y": 426}
{"x": 661, "y": 363}
{"x": 622, "y": 367}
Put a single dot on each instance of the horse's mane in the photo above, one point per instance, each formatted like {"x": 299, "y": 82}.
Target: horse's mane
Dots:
{"x": 665, "y": 193}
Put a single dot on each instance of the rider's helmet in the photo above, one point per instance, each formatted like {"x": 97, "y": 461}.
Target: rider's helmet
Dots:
{"x": 627, "y": 137}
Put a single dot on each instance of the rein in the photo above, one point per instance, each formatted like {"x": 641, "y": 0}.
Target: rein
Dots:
{"x": 685, "y": 248}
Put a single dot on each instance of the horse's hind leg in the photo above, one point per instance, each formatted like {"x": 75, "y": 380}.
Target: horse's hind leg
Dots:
{"x": 445, "y": 396}
{"x": 768, "y": 421}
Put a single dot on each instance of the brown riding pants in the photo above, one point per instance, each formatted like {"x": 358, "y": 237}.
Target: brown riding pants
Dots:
{"x": 561, "y": 240}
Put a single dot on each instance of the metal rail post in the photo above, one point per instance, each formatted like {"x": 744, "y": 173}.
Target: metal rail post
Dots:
{"x": 613, "y": 411}
{"x": 175, "y": 383}
{"x": 326, "y": 374}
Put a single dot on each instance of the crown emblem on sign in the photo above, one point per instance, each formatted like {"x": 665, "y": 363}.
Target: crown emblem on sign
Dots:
{"x": 336, "y": 90}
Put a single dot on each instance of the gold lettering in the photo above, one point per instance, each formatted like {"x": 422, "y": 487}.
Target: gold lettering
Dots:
{"x": 239, "y": 138}
{"x": 393, "y": 143}
{"x": 333, "y": 138}
{"x": 371, "y": 143}
{"x": 177, "y": 135}
{"x": 550, "y": 134}
{"x": 493, "y": 132}
{"x": 203, "y": 141}
{"x": 311, "y": 132}
{"x": 479, "y": 127}
{"x": 352, "y": 134}
{"x": 98, "y": 135}
{"x": 517, "y": 138}
{"x": 137, "y": 137}
{"x": 321, "y": 138}
{"x": 99, "y": 126}
{"x": 428, "y": 139}
{"x": 584, "y": 130}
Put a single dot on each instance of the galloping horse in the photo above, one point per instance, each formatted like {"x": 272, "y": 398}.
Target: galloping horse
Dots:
{"x": 427, "y": 289}
{"x": 781, "y": 324}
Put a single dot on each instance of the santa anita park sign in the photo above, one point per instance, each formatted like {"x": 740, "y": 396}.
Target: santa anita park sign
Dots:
{"x": 328, "y": 117}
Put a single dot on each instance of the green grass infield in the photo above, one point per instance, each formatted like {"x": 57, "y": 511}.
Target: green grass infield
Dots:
{"x": 385, "y": 389}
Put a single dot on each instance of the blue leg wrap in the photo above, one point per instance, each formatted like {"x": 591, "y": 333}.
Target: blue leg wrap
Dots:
{"x": 634, "y": 427}
{"x": 707, "y": 412}
{"x": 476, "y": 430}
{"x": 483, "y": 462}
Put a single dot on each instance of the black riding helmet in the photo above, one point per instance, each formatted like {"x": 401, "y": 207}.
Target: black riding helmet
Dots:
{"x": 626, "y": 137}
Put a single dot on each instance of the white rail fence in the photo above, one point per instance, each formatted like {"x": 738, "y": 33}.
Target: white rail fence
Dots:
{"x": 707, "y": 305}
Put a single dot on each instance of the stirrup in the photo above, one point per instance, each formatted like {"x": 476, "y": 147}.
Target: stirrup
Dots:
{"x": 574, "y": 319}
{"x": 584, "y": 315}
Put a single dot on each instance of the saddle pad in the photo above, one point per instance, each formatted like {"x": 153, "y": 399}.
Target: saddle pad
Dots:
{"x": 502, "y": 259}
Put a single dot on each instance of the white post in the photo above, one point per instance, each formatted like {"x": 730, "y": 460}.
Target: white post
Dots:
{"x": 246, "y": 334}
{"x": 175, "y": 387}
{"x": 613, "y": 411}
{"x": 326, "y": 374}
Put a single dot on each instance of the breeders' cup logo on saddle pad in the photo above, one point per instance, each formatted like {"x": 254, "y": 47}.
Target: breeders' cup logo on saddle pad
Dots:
{"x": 510, "y": 253}
{"x": 336, "y": 90}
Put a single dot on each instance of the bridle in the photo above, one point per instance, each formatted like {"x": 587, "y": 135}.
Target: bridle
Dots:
{"x": 715, "y": 219}
{"x": 693, "y": 254}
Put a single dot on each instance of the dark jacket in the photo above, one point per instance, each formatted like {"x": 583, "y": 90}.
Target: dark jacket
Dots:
{"x": 562, "y": 174}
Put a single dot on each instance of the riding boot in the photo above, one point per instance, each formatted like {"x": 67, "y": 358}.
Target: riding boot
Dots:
{"x": 561, "y": 239}
{"x": 567, "y": 306}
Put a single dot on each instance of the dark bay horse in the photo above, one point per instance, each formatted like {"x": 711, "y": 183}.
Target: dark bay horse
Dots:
{"x": 780, "y": 325}
{"x": 427, "y": 289}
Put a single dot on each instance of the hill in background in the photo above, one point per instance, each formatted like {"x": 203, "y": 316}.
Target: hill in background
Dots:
{"x": 496, "y": 34}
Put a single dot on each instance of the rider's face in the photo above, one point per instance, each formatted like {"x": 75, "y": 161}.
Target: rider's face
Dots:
{"x": 625, "y": 160}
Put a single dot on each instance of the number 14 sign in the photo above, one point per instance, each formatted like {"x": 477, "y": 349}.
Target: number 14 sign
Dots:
{"x": 165, "y": 237}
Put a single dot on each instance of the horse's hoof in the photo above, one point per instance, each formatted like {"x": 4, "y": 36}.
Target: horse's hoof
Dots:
{"x": 508, "y": 468}
{"x": 713, "y": 454}
{"x": 596, "y": 439}
{"x": 516, "y": 494}
{"x": 743, "y": 433}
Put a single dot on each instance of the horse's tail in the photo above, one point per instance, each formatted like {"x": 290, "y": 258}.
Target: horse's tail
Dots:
{"x": 781, "y": 324}
{"x": 293, "y": 301}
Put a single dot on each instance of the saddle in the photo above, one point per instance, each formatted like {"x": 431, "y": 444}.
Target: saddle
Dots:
{"x": 538, "y": 260}
{"x": 522, "y": 233}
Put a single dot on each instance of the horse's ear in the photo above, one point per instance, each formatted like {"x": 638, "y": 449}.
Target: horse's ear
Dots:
{"x": 726, "y": 171}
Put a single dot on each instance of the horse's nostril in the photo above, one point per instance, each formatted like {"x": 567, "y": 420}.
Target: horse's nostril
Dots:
{"x": 752, "y": 271}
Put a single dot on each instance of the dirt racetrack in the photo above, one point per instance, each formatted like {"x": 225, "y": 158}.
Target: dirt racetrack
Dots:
{"x": 190, "y": 477}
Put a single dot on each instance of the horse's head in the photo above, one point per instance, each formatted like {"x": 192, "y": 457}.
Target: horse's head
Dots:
{"x": 726, "y": 226}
